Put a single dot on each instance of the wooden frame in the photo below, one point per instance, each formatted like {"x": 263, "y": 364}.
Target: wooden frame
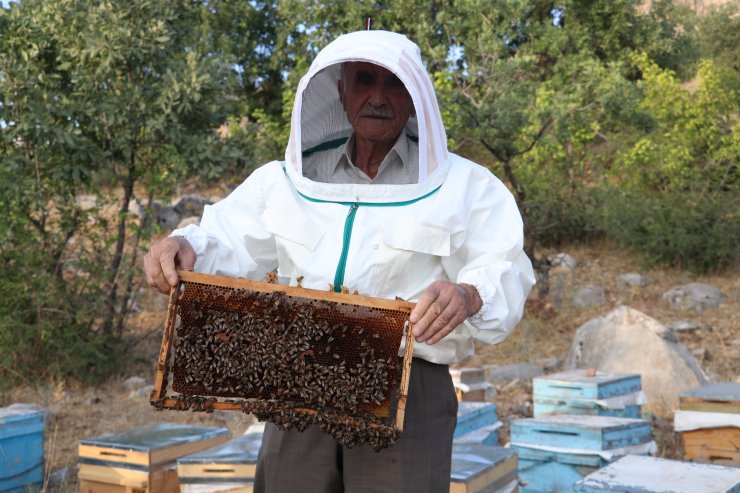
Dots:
{"x": 159, "y": 397}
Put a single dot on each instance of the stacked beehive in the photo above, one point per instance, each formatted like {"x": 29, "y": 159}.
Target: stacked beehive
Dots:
{"x": 709, "y": 418}
{"x": 477, "y": 424}
{"x": 141, "y": 460}
{"x": 556, "y": 451}
{"x": 470, "y": 383}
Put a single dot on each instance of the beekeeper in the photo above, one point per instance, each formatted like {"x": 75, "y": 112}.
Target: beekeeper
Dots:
{"x": 369, "y": 197}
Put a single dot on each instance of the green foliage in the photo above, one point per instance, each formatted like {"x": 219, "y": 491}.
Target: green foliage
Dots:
{"x": 686, "y": 230}
{"x": 112, "y": 99}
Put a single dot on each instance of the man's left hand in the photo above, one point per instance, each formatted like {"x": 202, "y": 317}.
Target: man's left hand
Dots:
{"x": 442, "y": 307}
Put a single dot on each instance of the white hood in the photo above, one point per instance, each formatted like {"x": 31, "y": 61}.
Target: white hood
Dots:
{"x": 318, "y": 115}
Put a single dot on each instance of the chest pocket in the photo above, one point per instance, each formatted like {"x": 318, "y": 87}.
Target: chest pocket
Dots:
{"x": 296, "y": 238}
{"x": 410, "y": 252}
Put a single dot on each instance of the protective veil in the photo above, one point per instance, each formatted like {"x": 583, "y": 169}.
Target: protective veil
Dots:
{"x": 457, "y": 223}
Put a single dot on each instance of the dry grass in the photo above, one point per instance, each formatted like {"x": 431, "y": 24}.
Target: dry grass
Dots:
{"x": 546, "y": 332}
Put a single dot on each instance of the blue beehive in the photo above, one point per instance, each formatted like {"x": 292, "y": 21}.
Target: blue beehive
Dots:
{"x": 226, "y": 467}
{"x": 483, "y": 469}
{"x": 556, "y": 451}
{"x": 21, "y": 448}
{"x": 476, "y": 423}
{"x": 638, "y": 474}
{"x": 588, "y": 392}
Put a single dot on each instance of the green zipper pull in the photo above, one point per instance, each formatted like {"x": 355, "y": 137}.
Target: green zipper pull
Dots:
{"x": 339, "y": 276}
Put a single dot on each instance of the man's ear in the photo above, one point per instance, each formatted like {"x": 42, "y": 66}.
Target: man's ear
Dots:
{"x": 340, "y": 89}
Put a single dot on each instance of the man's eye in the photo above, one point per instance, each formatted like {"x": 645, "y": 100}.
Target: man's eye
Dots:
{"x": 393, "y": 81}
{"x": 365, "y": 78}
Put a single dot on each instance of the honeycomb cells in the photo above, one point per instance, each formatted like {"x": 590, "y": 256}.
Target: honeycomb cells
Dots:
{"x": 291, "y": 360}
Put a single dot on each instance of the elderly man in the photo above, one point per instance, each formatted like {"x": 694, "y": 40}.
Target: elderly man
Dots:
{"x": 369, "y": 197}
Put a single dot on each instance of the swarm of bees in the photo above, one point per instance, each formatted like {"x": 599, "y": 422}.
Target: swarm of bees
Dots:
{"x": 293, "y": 362}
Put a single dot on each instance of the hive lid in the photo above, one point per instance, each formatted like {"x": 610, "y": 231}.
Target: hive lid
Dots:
{"x": 469, "y": 461}
{"x": 240, "y": 450}
{"x": 20, "y": 412}
{"x": 156, "y": 436}
{"x": 722, "y": 392}
{"x": 640, "y": 474}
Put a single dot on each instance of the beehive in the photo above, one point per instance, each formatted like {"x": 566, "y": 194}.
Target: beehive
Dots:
{"x": 639, "y": 474}
{"x": 477, "y": 423}
{"x": 709, "y": 419}
{"x": 289, "y": 355}
{"x": 483, "y": 469}
{"x": 143, "y": 459}
{"x": 21, "y": 448}
{"x": 229, "y": 467}
{"x": 588, "y": 392}
{"x": 470, "y": 384}
{"x": 556, "y": 451}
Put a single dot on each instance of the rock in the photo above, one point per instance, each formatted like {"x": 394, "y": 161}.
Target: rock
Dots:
{"x": 550, "y": 364}
{"x": 188, "y": 221}
{"x": 191, "y": 205}
{"x": 134, "y": 383}
{"x": 684, "y": 326}
{"x": 589, "y": 296}
{"x": 632, "y": 279}
{"x": 167, "y": 216}
{"x": 503, "y": 374}
{"x": 626, "y": 340}
{"x": 563, "y": 261}
{"x": 93, "y": 400}
{"x": 694, "y": 296}
{"x": 58, "y": 478}
{"x": 145, "y": 391}
{"x": 86, "y": 202}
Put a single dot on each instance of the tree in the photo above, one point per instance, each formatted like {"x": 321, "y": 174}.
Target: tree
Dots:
{"x": 114, "y": 98}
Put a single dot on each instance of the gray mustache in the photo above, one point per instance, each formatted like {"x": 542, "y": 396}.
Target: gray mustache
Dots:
{"x": 377, "y": 112}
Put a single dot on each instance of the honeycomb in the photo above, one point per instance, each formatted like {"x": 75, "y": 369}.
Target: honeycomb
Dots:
{"x": 291, "y": 356}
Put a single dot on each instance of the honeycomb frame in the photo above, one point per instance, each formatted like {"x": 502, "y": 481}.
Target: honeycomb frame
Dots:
{"x": 362, "y": 332}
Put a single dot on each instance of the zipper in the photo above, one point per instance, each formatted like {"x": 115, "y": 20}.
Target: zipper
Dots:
{"x": 348, "y": 223}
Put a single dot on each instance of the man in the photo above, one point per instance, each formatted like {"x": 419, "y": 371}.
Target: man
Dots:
{"x": 369, "y": 197}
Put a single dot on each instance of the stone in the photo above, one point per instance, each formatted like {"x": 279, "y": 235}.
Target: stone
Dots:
{"x": 632, "y": 279}
{"x": 86, "y": 202}
{"x": 134, "y": 383}
{"x": 507, "y": 373}
{"x": 627, "y": 340}
{"x": 684, "y": 326}
{"x": 563, "y": 261}
{"x": 550, "y": 364}
{"x": 191, "y": 205}
{"x": 188, "y": 221}
{"x": 694, "y": 296}
{"x": 589, "y": 296}
{"x": 167, "y": 216}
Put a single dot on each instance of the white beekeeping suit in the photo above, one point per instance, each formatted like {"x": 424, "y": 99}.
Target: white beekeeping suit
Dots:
{"x": 457, "y": 222}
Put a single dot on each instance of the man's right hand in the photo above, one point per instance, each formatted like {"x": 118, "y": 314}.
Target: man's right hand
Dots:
{"x": 163, "y": 260}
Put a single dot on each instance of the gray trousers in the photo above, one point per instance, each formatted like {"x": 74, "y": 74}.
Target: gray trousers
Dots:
{"x": 419, "y": 461}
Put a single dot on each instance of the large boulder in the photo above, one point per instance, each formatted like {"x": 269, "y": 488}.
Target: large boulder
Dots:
{"x": 694, "y": 296}
{"x": 626, "y": 340}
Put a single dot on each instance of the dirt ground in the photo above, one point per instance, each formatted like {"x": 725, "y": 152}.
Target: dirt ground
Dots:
{"x": 545, "y": 333}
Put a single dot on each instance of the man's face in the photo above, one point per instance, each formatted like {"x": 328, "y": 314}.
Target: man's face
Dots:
{"x": 376, "y": 101}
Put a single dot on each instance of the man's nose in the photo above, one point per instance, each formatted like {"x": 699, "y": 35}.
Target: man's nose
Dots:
{"x": 377, "y": 94}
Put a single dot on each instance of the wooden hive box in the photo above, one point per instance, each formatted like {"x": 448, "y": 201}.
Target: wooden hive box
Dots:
{"x": 588, "y": 392}
{"x": 21, "y": 448}
{"x": 709, "y": 419}
{"x": 141, "y": 460}
{"x": 470, "y": 383}
{"x": 477, "y": 423}
{"x": 639, "y": 474}
{"x": 229, "y": 467}
{"x": 556, "y": 451}
{"x": 483, "y": 469}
